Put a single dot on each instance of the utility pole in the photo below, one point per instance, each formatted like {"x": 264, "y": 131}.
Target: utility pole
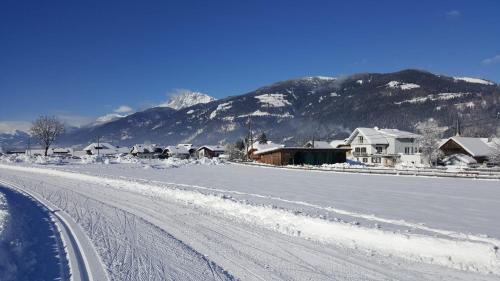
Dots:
{"x": 29, "y": 146}
{"x": 98, "y": 146}
{"x": 458, "y": 127}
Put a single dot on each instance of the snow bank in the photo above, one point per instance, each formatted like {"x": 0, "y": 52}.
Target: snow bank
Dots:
{"x": 458, "y": 253}
{"x": 176, "y": 163}
{"x": 23, "y": 158}
{"x": 3, "y": 213}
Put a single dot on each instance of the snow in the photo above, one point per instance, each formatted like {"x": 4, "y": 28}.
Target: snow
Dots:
{"x": 4, "y": 212}
{"x": 402, "y": 86}
{"x": 221, "y": 107}
{"x": 360, "y": 82}
{"x": 459, "y": 159}
{"x": 334, "y": 95}
{"x": 283, "y": 224}
{"x": 473, "y": 80}
{"x": 258, "y": 112}
{"x": 273, "y": 100}
{"x": 187, "y": 99}
{"x": 464, "y": 105}
{"x": 441, "y": 96}
{"x": 30, "y": 245}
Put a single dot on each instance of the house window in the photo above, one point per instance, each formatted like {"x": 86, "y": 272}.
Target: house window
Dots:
{"x": 365, "y": 160}
{"x": 360, "y": 139}
{"x": 363, "y": 150}
{"x": 357, "y": 149}
{"x": 407, "y": 150}
{"x": 379, "y": 149}
{"x": 376, "y": 160}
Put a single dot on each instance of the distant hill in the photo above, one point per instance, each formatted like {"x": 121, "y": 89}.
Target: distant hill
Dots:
{"x": 327, "y": 107}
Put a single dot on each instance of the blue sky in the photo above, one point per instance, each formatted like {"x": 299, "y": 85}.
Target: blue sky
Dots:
{"x": 83, "y": 59}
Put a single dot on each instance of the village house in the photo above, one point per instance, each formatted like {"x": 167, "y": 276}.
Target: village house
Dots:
{"x": 318, "y": 144}
{"x": 56, "y": 151}
{"x": 461, "y": 149}
{"x": 210, "y": 151}
{"x": 384, "y": 147}
{"x": 181, "y": 151}
{"x": 258, "y": 146}
{"x": 104, "y": 148}
{"x": 147, "y": 151}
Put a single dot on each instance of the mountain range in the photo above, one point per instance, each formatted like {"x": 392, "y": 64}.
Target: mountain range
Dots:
{"x": 296, "y": 110}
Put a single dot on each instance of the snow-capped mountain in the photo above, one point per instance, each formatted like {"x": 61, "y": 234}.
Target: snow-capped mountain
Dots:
{"x": 326, "y": 108}
{"x": 186, "y": 99}
{"x": 15, "y": 139}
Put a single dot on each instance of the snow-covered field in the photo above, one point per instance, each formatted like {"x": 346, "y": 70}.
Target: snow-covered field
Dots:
{"x": 204, "y": 219}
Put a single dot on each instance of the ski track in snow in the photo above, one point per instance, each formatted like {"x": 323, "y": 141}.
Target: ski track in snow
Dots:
{"x": 465, "y": 253}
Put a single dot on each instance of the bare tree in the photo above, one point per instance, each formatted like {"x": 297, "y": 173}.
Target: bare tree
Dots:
{"x": 46, "y": 129}
{"x": 431, "y": 137}
{"x": 495, "y": 156}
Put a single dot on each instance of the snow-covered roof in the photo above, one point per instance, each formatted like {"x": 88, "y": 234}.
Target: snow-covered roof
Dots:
{"x": 142, "y": 148}
{"x": 177, "y": 150}
{"x": 476, "y": 147}
{"x": 398, "y": 133}
{"x": 102, "y": 145}
{"x": 380, "y": 136}
{"x": 269, "y": 144}
{"x": 337, "y": 143}
{"x": 319, "y": 144}
{"x": 459, "y": 158}
{"x": 213, "y": 147}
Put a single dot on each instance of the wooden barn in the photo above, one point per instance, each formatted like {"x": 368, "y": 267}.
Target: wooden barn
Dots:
{"x": 282, "y": 156}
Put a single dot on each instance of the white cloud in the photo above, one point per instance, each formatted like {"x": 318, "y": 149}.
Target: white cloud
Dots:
{"x": 10, "y": 127}
{"x": 123, "y": 109}
{"x": 74, "y": 120}
{"x": 492, "y": 60}
{"x": 453, "y": 14}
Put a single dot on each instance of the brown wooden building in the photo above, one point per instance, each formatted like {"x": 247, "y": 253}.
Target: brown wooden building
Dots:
{"x": 281, "y": 156}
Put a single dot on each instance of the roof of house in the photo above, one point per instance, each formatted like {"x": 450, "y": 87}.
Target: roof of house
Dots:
{"x": 476, "y": 147}
{"x": 380, "y": 136}
{"x": 269, "y": 144}
{"x": 459, "y": 157}
{"x": 319, "y": 144}
{"x": 177, "y": 149}
{"x": 103, "y": 145}
{"x": 142, "y": 148}
{"x": 337, "y": 143}
{"x": 213, "y": 147}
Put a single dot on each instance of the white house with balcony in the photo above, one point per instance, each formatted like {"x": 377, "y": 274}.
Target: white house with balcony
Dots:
{"x": 384, "y": 147}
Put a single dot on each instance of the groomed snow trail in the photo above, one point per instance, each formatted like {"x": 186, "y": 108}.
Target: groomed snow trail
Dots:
{"x": 84, "y": 262}
{"x": 31, "y": 247}
{"x": 252, "y": 241}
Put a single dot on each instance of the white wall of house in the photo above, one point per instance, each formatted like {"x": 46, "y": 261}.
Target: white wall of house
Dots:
{"x": 384, "y": 149}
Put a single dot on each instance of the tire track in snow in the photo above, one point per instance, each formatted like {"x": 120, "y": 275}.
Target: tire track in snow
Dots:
{"x": 464, "y": 255}
{"x": 369, "y": 217}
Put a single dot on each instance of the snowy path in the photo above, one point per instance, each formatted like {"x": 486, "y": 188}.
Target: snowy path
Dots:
{"x": 84, "y": 262}
{"x": 160, "y": 222}
{"x": 30, "y": 245}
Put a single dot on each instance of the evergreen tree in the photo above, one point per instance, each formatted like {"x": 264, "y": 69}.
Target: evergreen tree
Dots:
{"x": 262, "y": 138}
